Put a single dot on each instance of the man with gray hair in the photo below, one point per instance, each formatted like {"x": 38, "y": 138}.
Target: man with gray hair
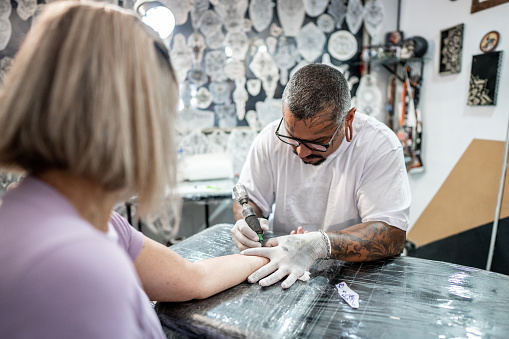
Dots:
{"x": 335, "y": 176}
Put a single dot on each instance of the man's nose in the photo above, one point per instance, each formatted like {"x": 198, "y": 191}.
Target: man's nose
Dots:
{"x": 303, "y": 151}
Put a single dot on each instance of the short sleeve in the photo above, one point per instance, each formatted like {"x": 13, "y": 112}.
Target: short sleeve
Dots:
{"x": 384, "y": 194}
{"x": 130, "y": 239}
{"x": 257, "y": 175}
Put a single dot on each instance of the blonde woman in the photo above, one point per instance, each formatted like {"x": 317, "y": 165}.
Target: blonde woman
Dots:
{"x": 87, "y": 112}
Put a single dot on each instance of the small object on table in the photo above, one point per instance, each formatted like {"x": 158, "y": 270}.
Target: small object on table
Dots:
{"x": 348, "y": 294}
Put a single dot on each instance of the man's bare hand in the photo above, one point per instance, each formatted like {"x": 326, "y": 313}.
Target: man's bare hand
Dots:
{"x": 300, "y": 230}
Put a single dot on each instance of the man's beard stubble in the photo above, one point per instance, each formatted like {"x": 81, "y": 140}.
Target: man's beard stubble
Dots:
{"x": 312, "y": 156}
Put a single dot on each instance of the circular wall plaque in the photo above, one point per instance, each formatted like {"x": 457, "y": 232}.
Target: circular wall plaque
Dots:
{"x": 342, "y": 45}
{"x": 490, "y": 41}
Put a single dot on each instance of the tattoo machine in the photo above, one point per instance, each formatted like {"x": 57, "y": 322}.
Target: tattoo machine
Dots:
{"x": 240, "y": 193}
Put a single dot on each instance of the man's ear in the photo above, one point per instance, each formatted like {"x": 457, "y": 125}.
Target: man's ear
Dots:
{"x": 350, "y": 115}
{"x": 349, "y": 124}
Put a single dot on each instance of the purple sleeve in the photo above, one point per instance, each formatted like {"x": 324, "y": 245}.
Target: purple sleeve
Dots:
{"x": 129, "y": 239}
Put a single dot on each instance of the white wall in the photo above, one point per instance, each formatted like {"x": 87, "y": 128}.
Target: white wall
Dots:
{"x": 449, "y": 124}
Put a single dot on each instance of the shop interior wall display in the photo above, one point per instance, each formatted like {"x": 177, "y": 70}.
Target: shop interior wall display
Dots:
{"x": 233, "y": 58}
{"x": 451, "y": 124}
{"x": 236, "y": 57}
{"x": 455, "y": 226}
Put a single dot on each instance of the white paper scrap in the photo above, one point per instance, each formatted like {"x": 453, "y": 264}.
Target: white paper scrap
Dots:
{"x": 348, "y": 295}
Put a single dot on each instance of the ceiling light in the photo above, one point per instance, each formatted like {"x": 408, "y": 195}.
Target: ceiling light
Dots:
{"x": 157, "y": 16}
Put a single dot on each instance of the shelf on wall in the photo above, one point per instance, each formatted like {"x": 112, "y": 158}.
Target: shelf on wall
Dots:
{"x": 393, "y": 65}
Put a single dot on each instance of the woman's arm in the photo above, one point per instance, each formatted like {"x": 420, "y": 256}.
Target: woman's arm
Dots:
{"x": 166, "y": 276}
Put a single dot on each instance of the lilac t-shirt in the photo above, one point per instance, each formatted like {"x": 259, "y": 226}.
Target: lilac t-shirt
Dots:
{"x": 62, "y": 278}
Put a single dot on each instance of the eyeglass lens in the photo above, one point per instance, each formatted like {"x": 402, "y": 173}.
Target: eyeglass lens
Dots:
{"x": 296, "y": 143}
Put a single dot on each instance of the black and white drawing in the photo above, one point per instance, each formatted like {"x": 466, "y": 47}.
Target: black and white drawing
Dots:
{"x": 342, "y": 45}
{"x": 26, "y": 8}
{"x": 5, "y": 23}
{"x": 254, "y": 86}
{"x": 374, "y": 14}
{"x": 284, "y": 59}
{"x": 484, "y": 79}
{"x": 291, "y": 15}
{"x": 315, "y": 7}
{"x": 310, "y": 42}
{"x": 203, "y": 98}
{"x": 326, "y": 23}
{"x": 210, "y": 23}
{"x": 240, "y": 97}
{"x": 180, "y": 57}
{"x": 260, "y": 12}
{"x": 354, "y": 15}
{"x": 451, "y": 45}
{"x": 214, "y": 65}
{"x": 5, "y": 65}
{"x": 337, "y": 9}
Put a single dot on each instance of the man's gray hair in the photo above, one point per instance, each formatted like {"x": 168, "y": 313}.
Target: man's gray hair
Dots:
{"x": 318, "y": 88}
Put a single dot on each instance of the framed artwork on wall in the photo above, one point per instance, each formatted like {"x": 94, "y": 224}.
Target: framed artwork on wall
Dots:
{"x": 479, "y": 5}
{"x": 451, "y": 46}
{"x": 484, "y": 79}
{"x": 490, "y": 41}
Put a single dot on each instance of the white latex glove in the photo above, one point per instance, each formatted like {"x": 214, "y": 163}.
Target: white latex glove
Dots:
{"x": 244, "y": 237}
{"x": 290, "y": 255}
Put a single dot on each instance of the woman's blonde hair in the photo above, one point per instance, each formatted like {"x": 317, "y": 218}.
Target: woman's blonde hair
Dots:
{"x": 92, "y": 91}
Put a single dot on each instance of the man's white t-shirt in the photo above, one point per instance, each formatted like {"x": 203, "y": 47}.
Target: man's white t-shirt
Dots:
{"x": 363, "y": 180}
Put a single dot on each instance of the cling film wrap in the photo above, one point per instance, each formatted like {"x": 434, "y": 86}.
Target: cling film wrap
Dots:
{"x": 401, "y": 297}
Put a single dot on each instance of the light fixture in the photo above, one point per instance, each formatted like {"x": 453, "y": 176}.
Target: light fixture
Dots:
{"x": 157, "y": 16}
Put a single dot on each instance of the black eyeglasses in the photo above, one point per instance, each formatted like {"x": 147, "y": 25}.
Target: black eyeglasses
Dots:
{"x": 309, "y": 144}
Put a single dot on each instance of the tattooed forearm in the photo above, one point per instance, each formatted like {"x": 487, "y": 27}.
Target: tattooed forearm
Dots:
{"x": 367, "y": 242}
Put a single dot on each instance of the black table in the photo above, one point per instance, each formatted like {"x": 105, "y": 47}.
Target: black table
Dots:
{"x": 401, "y": 297}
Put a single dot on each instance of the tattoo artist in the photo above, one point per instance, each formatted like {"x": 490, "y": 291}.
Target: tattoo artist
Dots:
{"x": 335, "y": 175}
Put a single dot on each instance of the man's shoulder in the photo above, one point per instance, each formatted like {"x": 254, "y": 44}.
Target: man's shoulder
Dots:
{"x": 269, "y": 129}
{"x": 364, "y": 119}
{"x": 370, "y": 127}
{"x": 266, "y": 139}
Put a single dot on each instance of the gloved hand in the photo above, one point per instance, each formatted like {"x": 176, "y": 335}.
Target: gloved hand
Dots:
{"x": 244, "y": 237}
{"x": 290, "y": 255}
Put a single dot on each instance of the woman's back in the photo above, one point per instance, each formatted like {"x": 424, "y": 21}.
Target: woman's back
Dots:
{"x": 60, "y": 277}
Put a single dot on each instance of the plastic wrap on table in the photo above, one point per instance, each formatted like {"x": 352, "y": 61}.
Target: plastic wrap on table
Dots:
{"x": 400, "y": 297}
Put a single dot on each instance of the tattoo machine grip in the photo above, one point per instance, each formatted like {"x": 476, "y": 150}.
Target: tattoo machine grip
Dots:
{"x": 240, "y": 193}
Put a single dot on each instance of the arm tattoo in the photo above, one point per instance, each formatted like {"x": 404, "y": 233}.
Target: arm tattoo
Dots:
{"x": 367, "y": 242}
